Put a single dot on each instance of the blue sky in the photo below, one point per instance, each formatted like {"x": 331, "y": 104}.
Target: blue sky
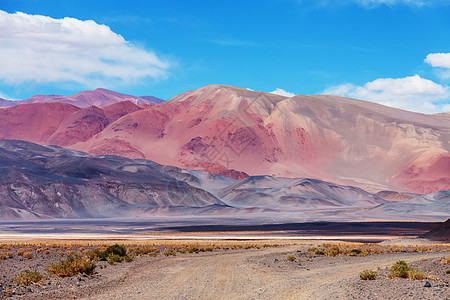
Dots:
{"x": 394, "y": 52}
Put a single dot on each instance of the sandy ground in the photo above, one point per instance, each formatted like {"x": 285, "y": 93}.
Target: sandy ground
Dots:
{"x": 255, "y": 274}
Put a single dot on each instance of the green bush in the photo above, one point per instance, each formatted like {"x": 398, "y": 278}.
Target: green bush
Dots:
{"x": 94, "y": 255}
{"x": 116, "y": 250}
{"x": 113, "y": 259}
{"x": 193, "y": 249}
{"x": 356, "y": 251}
{"x": 170, "y": 251}
{"x": 291, "y": 258}
{"x": 319, "y": 252}
{"x": 28, "y": 277}
{"x": 72, "y": 266}
{"x": 448, "y": 271}
{"x": 401, "y": 270}
{"x": 113, "y": 254}
{"x": 368, "y": 275}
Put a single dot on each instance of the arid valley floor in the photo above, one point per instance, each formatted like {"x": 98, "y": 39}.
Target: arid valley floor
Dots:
{"x": 228, "y": 265}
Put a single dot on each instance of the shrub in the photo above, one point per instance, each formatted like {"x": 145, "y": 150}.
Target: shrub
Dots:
{"x": 448, "y": 271}
{"x": 446, "y": 261}
{"x": 291, "y": 258}
{"x": 209, "y": 249}
{"x": 356, "y": 251}
{"x": 368, "y": 275}
{"x": 113, "y": 259}
{"x": 402, "y": 270}
{"x": 416, "y": 275}
{"x": 399, "y": 269}
{"x": 93, "y": 254}
{"x": 28, "y": 277}
{"x": 20, "y": 252}
{"x": 128, "y": 258}
{"x": 333, "y": 251}
{"x": 170, "y": 251}
{"x": 3, "y": 256}
{"x": 113, "y": 254}
{"x": 319, "y": 252}
{"x": 115, "y": 249}
{"x": 28, "y": 255}
{"x": 192, "y": 249}
{"x": 71, "y": 266}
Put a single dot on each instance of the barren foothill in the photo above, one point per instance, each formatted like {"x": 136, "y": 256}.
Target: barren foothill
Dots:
{"x": 229, "y": 271}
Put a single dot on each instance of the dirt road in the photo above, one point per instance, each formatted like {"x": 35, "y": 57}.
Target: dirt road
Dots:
{"x": 251, "y": 274}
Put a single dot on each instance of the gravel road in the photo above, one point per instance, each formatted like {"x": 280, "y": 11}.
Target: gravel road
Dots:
{"x": 263, "y": 274}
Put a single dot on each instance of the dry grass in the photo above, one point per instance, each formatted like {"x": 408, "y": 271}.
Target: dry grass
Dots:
{"x": 291, "y": 258}
{"x": 71, "y": 266}
{"x": 28, "y": 277}
{"x": 359, "y": 249}
{"x": 368, "y": 275}
{"x": 446, "y": 261}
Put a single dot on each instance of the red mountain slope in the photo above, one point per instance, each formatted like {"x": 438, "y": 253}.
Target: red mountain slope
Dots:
{"x": 219, "y": 128}
{"x": 33, "y": 122}
{"x": 237, "y": 132}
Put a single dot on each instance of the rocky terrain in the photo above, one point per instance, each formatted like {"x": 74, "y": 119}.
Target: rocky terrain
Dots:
{"x": 230, "y": 269}
{"x": 38, "y": 181}
{"x": 440, "y": 233}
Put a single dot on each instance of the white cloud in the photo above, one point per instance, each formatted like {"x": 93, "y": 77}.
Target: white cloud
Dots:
{"x": 412, "y": 93}
{"x": 282, "y": 92}
{"x": 35, "y": 48}
{"x": 446, "y": 108}
{"x": 438, "y": 60}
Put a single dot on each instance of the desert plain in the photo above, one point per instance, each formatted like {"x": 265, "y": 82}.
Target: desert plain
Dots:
{"x": 288, "y": 261}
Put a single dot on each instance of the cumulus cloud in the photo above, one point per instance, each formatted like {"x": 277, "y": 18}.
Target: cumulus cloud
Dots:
{"x": 282, "y": 92}
{"x": 412, "y": 93}
{"x": 438, "y": 60}
{"x": 35, "y": 48}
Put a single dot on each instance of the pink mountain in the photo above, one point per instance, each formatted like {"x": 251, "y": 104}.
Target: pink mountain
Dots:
{"x": 98, "y": 97}
{"x": 236, "y": 132}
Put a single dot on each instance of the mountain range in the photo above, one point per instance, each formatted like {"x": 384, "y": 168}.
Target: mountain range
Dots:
{"x": 47, "y": 182}
{"x": 238, "y": 133}
{"x": 98, "y": 97}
